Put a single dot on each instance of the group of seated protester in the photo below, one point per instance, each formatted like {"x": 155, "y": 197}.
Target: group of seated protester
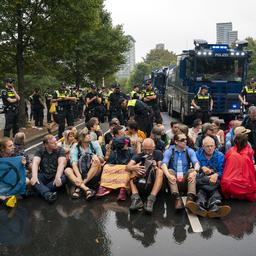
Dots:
{"x": 203, "y": 162}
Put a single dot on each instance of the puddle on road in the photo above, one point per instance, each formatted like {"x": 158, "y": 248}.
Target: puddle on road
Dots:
{"x": 105, "y": 227}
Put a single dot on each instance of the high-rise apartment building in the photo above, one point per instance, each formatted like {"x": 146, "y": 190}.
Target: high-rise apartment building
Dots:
{"x": 232, "y": 37}
{"x": 225, "y": 33}
{"x": 127, "y": 68}
{"x": 160, "y": 46}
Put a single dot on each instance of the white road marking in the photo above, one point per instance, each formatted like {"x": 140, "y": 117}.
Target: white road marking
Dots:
{"x": 193, "y": 219}
{"x": 38, "y": 144}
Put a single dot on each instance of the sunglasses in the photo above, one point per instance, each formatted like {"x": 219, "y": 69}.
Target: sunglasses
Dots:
{"x": 183, "y": 140}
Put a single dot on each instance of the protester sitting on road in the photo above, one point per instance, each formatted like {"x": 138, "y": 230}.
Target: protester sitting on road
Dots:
{"x": 207, "y": 130}
{"x": 7, "y": 150}
{"x": 136, "y": 136}
{"x": 249, "y": 122}
{"x": 176, "y": 166}
{"x": 68, "y": 143}
{"x": 164, "y": 136}
{"x": 19, "y": 144}
{"x": 156, "y": 137}
{"x": 195, "y": 130}
{"x": 239, "y": 177}
{"x": 118, "y": 131}
{"x": 230, "y": 134}
{"x": 219, "y": 133}
{"x": 174, "y": 130}
{"x": 115, "y": 175}
{"x": 48, "y": 167}
{"x": 209, "y": 199}
{"x": 86, "y": 158}
{"x": 108, "y": 135}
{"x": 93, "y": 126}
{"x": 184, "y": 129}
{"x": 147, "y": 176}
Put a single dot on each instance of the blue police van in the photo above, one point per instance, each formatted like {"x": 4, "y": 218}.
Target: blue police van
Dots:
{"x": 222, "y": 68}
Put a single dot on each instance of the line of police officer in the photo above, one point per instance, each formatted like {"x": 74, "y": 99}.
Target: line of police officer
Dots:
{"x": 141, "y": 105}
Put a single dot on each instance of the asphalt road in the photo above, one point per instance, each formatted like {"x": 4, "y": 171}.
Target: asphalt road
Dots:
{"x": 105, "y": 227}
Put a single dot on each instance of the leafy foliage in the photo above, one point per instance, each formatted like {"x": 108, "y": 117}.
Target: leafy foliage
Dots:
{"x": 62, "y": 39}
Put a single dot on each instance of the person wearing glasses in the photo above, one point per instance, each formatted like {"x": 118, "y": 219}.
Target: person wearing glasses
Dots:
{"x": 180, "y": 166}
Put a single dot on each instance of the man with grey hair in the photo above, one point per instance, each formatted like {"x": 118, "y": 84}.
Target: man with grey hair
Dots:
{"x": 209, "y": 199}
{"x": 147, "y": 176}
{"x": 249, "y": 122}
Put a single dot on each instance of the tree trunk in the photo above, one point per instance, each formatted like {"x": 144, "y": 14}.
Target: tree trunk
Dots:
{"x": 20, "y": 69}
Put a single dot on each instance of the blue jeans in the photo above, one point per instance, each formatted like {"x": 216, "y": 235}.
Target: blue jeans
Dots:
{"x": 46, "y": 184}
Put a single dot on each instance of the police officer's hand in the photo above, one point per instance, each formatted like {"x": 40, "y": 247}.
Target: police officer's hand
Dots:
{"x": 34, "y": 180}
{"x": 139, "y": 169}
{"x": 57, "y": 181}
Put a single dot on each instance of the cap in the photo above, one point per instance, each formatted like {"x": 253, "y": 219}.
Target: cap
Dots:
{"x": 93, "y": 86}
{"x": 241, "y": 130}
{"x": 204, "y": 86}
{"x": 9, "y": 80}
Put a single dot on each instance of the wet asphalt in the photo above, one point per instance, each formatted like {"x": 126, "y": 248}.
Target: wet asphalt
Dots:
{"x": 106, "y": 227}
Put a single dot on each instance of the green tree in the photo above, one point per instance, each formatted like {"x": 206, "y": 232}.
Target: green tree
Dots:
{"x": 160, "y": 57}
{"x": 50, "y": 26}
{"x": 252, "y": 65}
{"x": 141, "y": 70}
{"x": 97, "y": 53}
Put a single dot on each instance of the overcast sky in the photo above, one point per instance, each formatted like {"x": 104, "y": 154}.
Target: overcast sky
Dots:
{"x": 176, "y": 23}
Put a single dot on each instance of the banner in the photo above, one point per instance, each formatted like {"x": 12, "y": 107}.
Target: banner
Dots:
{"x": 12, "y": 176}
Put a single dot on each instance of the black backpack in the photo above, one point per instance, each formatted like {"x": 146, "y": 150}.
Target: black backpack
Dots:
{"x": 85, "y": 160}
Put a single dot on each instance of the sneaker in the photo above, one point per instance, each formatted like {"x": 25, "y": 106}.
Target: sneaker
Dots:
{"x": 51, "y": 197}
{"x": 219, "y": 211}
{"x": 40, "y": 128}
{"x": 149, "y": 204}
{"x": 136, "y": 203}
{"x": 196, "y": 209}
{"x": 102, "y": 191}
{"x": 122, "y": 195}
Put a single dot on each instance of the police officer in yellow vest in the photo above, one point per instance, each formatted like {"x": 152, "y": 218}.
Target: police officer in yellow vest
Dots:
{"x": 64, "y": 108}
{"x": 135, "y": 93}
{"x": 247, "y": 96}
{"x": 203, "y": 103}
{"x": 150, "y": 98}
{"x": 10, "y": 100}
{"x": 140, "y": 112}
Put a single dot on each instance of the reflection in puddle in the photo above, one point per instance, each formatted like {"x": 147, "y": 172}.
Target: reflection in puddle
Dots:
{"x": 77, "y": 227}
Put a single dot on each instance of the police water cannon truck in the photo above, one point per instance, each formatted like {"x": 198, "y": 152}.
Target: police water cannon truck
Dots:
{"x": 220, "y": 67}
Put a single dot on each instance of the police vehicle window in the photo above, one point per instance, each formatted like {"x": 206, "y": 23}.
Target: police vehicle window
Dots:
{"x": 222, "y": 69}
